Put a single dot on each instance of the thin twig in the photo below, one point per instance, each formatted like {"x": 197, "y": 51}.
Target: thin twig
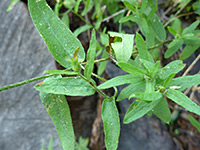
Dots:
{"x": 97, "y": 61}
{"x": 113, "y": 15}
{"x": 191, "y": 66}
{"x": 175, "y": 17}
{"x": 24, "y": 82}
{"x": 155, "y": 46}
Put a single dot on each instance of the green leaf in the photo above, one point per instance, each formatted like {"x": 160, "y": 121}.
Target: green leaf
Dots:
{"x": 89, "y": 5}
{"x": 151, "y": 96}
{"x": 90, "y": 56}
{"x": 69, "y": 3}
{"x": 143, "y": 6}
{"x": 147, "y": 64}
{"x": 50, "y": 146}
{"x": 132, "y": 88}
{"x": 155, "y": 69}
{"x": 177, "y": 25}
{"x": 173, "y": 67}
{"x": 191, "y": 28}
{"x": 150, "y": 85}
{"x": 123, "y": 49}
{"x": 194, "y": 122}
{"x": 181, "y": 99}
{"x": 65, "y": 19}
{"x": 111, "y": 123}
{"x": 141, "y": 46}
{"x": 102, "y": 65}
{"x": 172, "y": 31}
{"x": 188, "y": 51}
{"x": 72, "y": 86}
{"x": 129, "y": 6}
{"x": 127, "y": 18}
{"x": 82, "y": 29}
{"x": 131, "y": 69}
{"x": 162, "y": 111}
{"x": 12, "y": 4}
{"x": 168, "y": 80}
{"x": 185, "y": 82}
{"x": 78, "y": 2}
{"x": 57, "y": 72}
{"x": 173, "y": 47}
{"x": 138, "y": 110}
{"x": 120, "y": 80}
{"x": 58, "y": 109}
{"x": 59, "y": 39}
{"x": 158, "y": 27}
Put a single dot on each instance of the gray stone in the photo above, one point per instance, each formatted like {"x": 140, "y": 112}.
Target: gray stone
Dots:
{"x": 24, "y": 121}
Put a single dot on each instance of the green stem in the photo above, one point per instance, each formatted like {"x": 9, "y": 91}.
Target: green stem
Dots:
{"x": 94, "y": 86}
{"x": 155, "y": 46}
{"x": 97, "y": 61}
{"x": 83, "y": 19}
{"x": 24, "y": 82}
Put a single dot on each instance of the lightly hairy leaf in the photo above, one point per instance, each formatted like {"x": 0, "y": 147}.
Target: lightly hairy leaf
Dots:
{"x": 181, "y": 99}
{"x": 90, "y": 56}
{"x": 120, "y": 80}
{"x": 138, "y": 109}
{"x": 60, "y": 41}
{"x": 111, "y": 123}
{"x": 72, "y": 86}
{"x": 58, "y": 109}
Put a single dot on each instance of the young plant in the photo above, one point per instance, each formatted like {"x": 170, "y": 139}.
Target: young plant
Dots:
{"x": 150, "y": 84}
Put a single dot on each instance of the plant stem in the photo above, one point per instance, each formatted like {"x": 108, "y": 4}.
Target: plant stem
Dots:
{"x": 97, "y": 61}
{"x": 113, "y": 15}
{"x": 84, "y": 20}
{"x": 94, "y": 86}
{"x": 155, "y": 46}
{"x": 24, "y": 82}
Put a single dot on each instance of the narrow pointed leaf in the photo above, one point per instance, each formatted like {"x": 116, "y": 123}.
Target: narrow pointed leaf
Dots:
{"x": 102, "y": 65}
{"x": 194, "y": 122}
{"x": 173, "y": 47}
{"x": 147, "y": 64}
{"x": 185, "y": 81}
{"x": 153, "y": 96}
{"x": 111, "y": 123}
{"x": 173, "y": 67}
{"x": 168, "y": 80}
{"x": 162, "y": 111}
{"x": 60, "y": 41}
{"x": 131, "y": 69}
{"x": 181, "y": 99}
{"x": 138, "y": 110}
{"x": 58, "y": 109}
{"x": 158, "y": 27}
{"x": 72, "y": 86}
{"x": 188, "y": 51}
{"x": 82, "y": 29}
{"x": 90, "y": 56}
{"x": 141, "y": 46}
{"x": 155, "y": 69}
{"x": 132, "y": 88}
{"x": 120, "y": 80}
{"x": 191, "y": 28}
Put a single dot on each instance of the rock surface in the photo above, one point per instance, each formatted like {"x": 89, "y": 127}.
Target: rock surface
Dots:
{"x": 24, "y": 121}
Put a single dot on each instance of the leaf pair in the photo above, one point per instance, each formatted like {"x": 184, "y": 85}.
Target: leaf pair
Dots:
{"x": 189, "y": 37}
